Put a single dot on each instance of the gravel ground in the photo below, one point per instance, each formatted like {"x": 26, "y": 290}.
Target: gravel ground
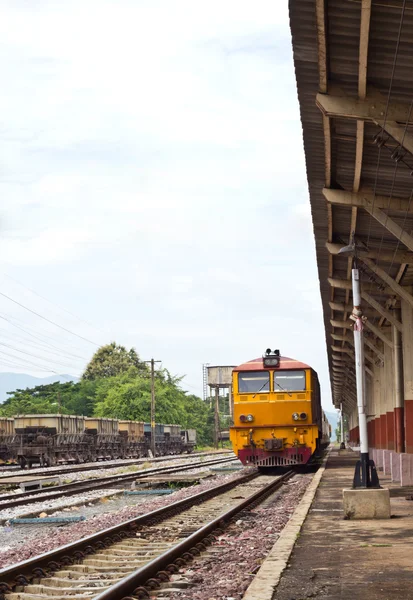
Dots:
{"x": 225, "y": 572}
{"x": 33, "y": 508}
{"x": 15, "y": 548}
{"x": 70, "y": 477}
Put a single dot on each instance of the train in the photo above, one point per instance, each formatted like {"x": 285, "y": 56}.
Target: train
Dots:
{"x": 54, "y": 439}
{"x": 278, "y": 419}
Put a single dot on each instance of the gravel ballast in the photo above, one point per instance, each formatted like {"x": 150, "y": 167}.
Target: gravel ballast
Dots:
{"x": 15, "y": 549}
{"x": 226, "y": 569}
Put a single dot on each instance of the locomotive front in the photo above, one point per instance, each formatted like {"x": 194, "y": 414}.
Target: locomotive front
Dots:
{"x": 277, "y": 411}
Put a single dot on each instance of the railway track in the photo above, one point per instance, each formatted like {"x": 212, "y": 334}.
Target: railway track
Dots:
{"x": 137, "y": 556}
{"x": 71, "y": 489}
{"x": 64, "y": 470}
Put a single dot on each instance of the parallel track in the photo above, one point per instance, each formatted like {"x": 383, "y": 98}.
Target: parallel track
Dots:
{"x": 71, "y": 489}
{"x": 66, "y": 469}
{"x": 136, "y": 556}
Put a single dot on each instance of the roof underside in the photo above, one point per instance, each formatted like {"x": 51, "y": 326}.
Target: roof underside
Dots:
{"x": 359, "y": 51}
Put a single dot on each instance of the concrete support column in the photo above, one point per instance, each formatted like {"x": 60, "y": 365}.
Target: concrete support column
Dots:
{"x": 398, "y": 387}
{"x": 407, "y": 347}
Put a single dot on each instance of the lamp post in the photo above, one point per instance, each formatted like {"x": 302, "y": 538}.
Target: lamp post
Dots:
{"x": 365, "y": 475}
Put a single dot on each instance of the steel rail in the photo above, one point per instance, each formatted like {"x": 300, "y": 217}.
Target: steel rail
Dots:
{"x": 46, "y": 564}
{"x": 70, "y": 489}
{"x": 140, "y": 582}
{"x": 110, "y": 464}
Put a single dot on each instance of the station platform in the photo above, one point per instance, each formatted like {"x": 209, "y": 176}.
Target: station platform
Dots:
{"x": 346, "y": 559}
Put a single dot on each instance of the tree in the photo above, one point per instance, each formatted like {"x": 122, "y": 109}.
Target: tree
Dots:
{"x": 112, "y": 360}
{"x": 128, "y": 396}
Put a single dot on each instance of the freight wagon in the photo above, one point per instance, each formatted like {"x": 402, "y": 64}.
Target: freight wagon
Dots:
{"x": 52, "y": 439}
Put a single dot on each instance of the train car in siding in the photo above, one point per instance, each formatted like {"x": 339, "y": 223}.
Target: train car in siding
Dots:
{"x": 278, "y": 419}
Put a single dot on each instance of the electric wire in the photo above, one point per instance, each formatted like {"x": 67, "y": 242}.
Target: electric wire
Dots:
{"x": 53, "y": 303}
{"x": 41, "y": 367}
{"x": 42, "y": 342}
{"x": 48, "y": 320}
{"x": 37, "y": 356}
{"x": 12, "y": 319}
{"x": 37, "y": 346}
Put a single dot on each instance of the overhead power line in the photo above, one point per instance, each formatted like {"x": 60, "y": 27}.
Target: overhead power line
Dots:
{"x": 53, "y": 303}
{"x": 48, "y": 320}
{"x": 39, "y": 340}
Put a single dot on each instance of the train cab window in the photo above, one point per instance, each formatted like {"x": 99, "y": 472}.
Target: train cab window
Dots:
{"x": 254, "y": 382}
{"x": 289, "y": 381}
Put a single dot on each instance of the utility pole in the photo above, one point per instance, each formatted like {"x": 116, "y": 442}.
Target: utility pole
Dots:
{"x": 60, "y": 402}
{"x": 216, "y": 418}
{"x": 153, "y": 436}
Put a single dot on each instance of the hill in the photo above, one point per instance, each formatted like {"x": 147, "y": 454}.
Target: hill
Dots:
{"x": 13, "y": 381}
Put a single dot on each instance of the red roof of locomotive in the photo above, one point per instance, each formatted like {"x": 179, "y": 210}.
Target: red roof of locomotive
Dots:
{"x": 285, "y": 363}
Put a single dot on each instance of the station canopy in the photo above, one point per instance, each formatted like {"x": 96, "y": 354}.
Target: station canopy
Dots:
{"x": 354, "y": 69}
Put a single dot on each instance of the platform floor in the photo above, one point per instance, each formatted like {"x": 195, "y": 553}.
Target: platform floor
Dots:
{"x": 351, "y": 560}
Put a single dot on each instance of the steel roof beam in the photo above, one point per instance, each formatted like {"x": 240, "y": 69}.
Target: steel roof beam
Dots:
{"x": 348, "y": 308}
{"x": 391, "y": 226}
{"x": 396, "y": 287}
{"x": 343, "y": 284}
{"x": 372, "y": 347}
{"x": 380, "y": 309}
{"x": 375, "y": 330}
{"x": 398, "y": 256}
{"x": 367, "y": 200}
{"x": 341, "y": 307}
{"x": 372, "y": 108}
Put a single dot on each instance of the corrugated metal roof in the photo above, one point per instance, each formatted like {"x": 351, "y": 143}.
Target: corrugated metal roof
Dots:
{"x": 385, "y": 177}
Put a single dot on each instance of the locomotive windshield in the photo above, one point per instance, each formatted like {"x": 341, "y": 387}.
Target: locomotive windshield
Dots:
{"x": 289, "y": 381}
{"x": 254, "y": 382}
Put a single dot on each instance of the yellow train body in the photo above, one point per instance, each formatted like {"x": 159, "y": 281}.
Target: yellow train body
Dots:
{"x": 277, "y": 424}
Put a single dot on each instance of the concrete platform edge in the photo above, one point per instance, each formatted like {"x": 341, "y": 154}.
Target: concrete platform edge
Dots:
{"x": 263, "y": 585}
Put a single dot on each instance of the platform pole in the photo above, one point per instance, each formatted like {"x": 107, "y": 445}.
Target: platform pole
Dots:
{"x": 342, "y": 442}
{"x": 365, "y": 475}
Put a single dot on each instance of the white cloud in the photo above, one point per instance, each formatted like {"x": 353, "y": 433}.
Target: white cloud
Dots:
{"x": 153, "y": 179}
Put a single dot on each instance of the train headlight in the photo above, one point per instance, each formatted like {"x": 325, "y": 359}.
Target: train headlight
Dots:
{"x": 271, "y": 359}
{"x": 296, "y": 416}
{"x": 250, "y": 418}
{"x": 242, "y": 418}
{"x": 303, "y": 416}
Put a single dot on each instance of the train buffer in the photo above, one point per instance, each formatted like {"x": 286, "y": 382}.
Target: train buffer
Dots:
{"x": 28, "y": 483}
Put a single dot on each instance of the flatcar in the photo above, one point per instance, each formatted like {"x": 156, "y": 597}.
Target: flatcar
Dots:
{"x": 54, "y": 439}
{"x": 278, "y": 419}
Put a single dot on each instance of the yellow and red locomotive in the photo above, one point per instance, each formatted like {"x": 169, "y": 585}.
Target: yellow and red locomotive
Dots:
{"x": 278, "y": 419}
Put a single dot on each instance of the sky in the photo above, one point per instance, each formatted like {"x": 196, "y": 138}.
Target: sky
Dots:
{"x": 153, "y": 186}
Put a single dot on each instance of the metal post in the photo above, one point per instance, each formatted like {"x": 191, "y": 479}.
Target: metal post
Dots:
{"x": 342, "y": 442}
{"x": 363, "y": 477}
{"x": 216, "y": 418}
{"x": 153, "y": 441}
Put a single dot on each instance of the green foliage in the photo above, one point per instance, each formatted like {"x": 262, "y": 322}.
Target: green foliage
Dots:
{"x": 117, "y": 384}
{"x": 128, "y": 396}
{"x": 112, "y": 360}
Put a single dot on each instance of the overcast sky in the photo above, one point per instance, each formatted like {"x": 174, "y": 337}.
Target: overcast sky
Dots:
{"x": 153, "y": 184}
